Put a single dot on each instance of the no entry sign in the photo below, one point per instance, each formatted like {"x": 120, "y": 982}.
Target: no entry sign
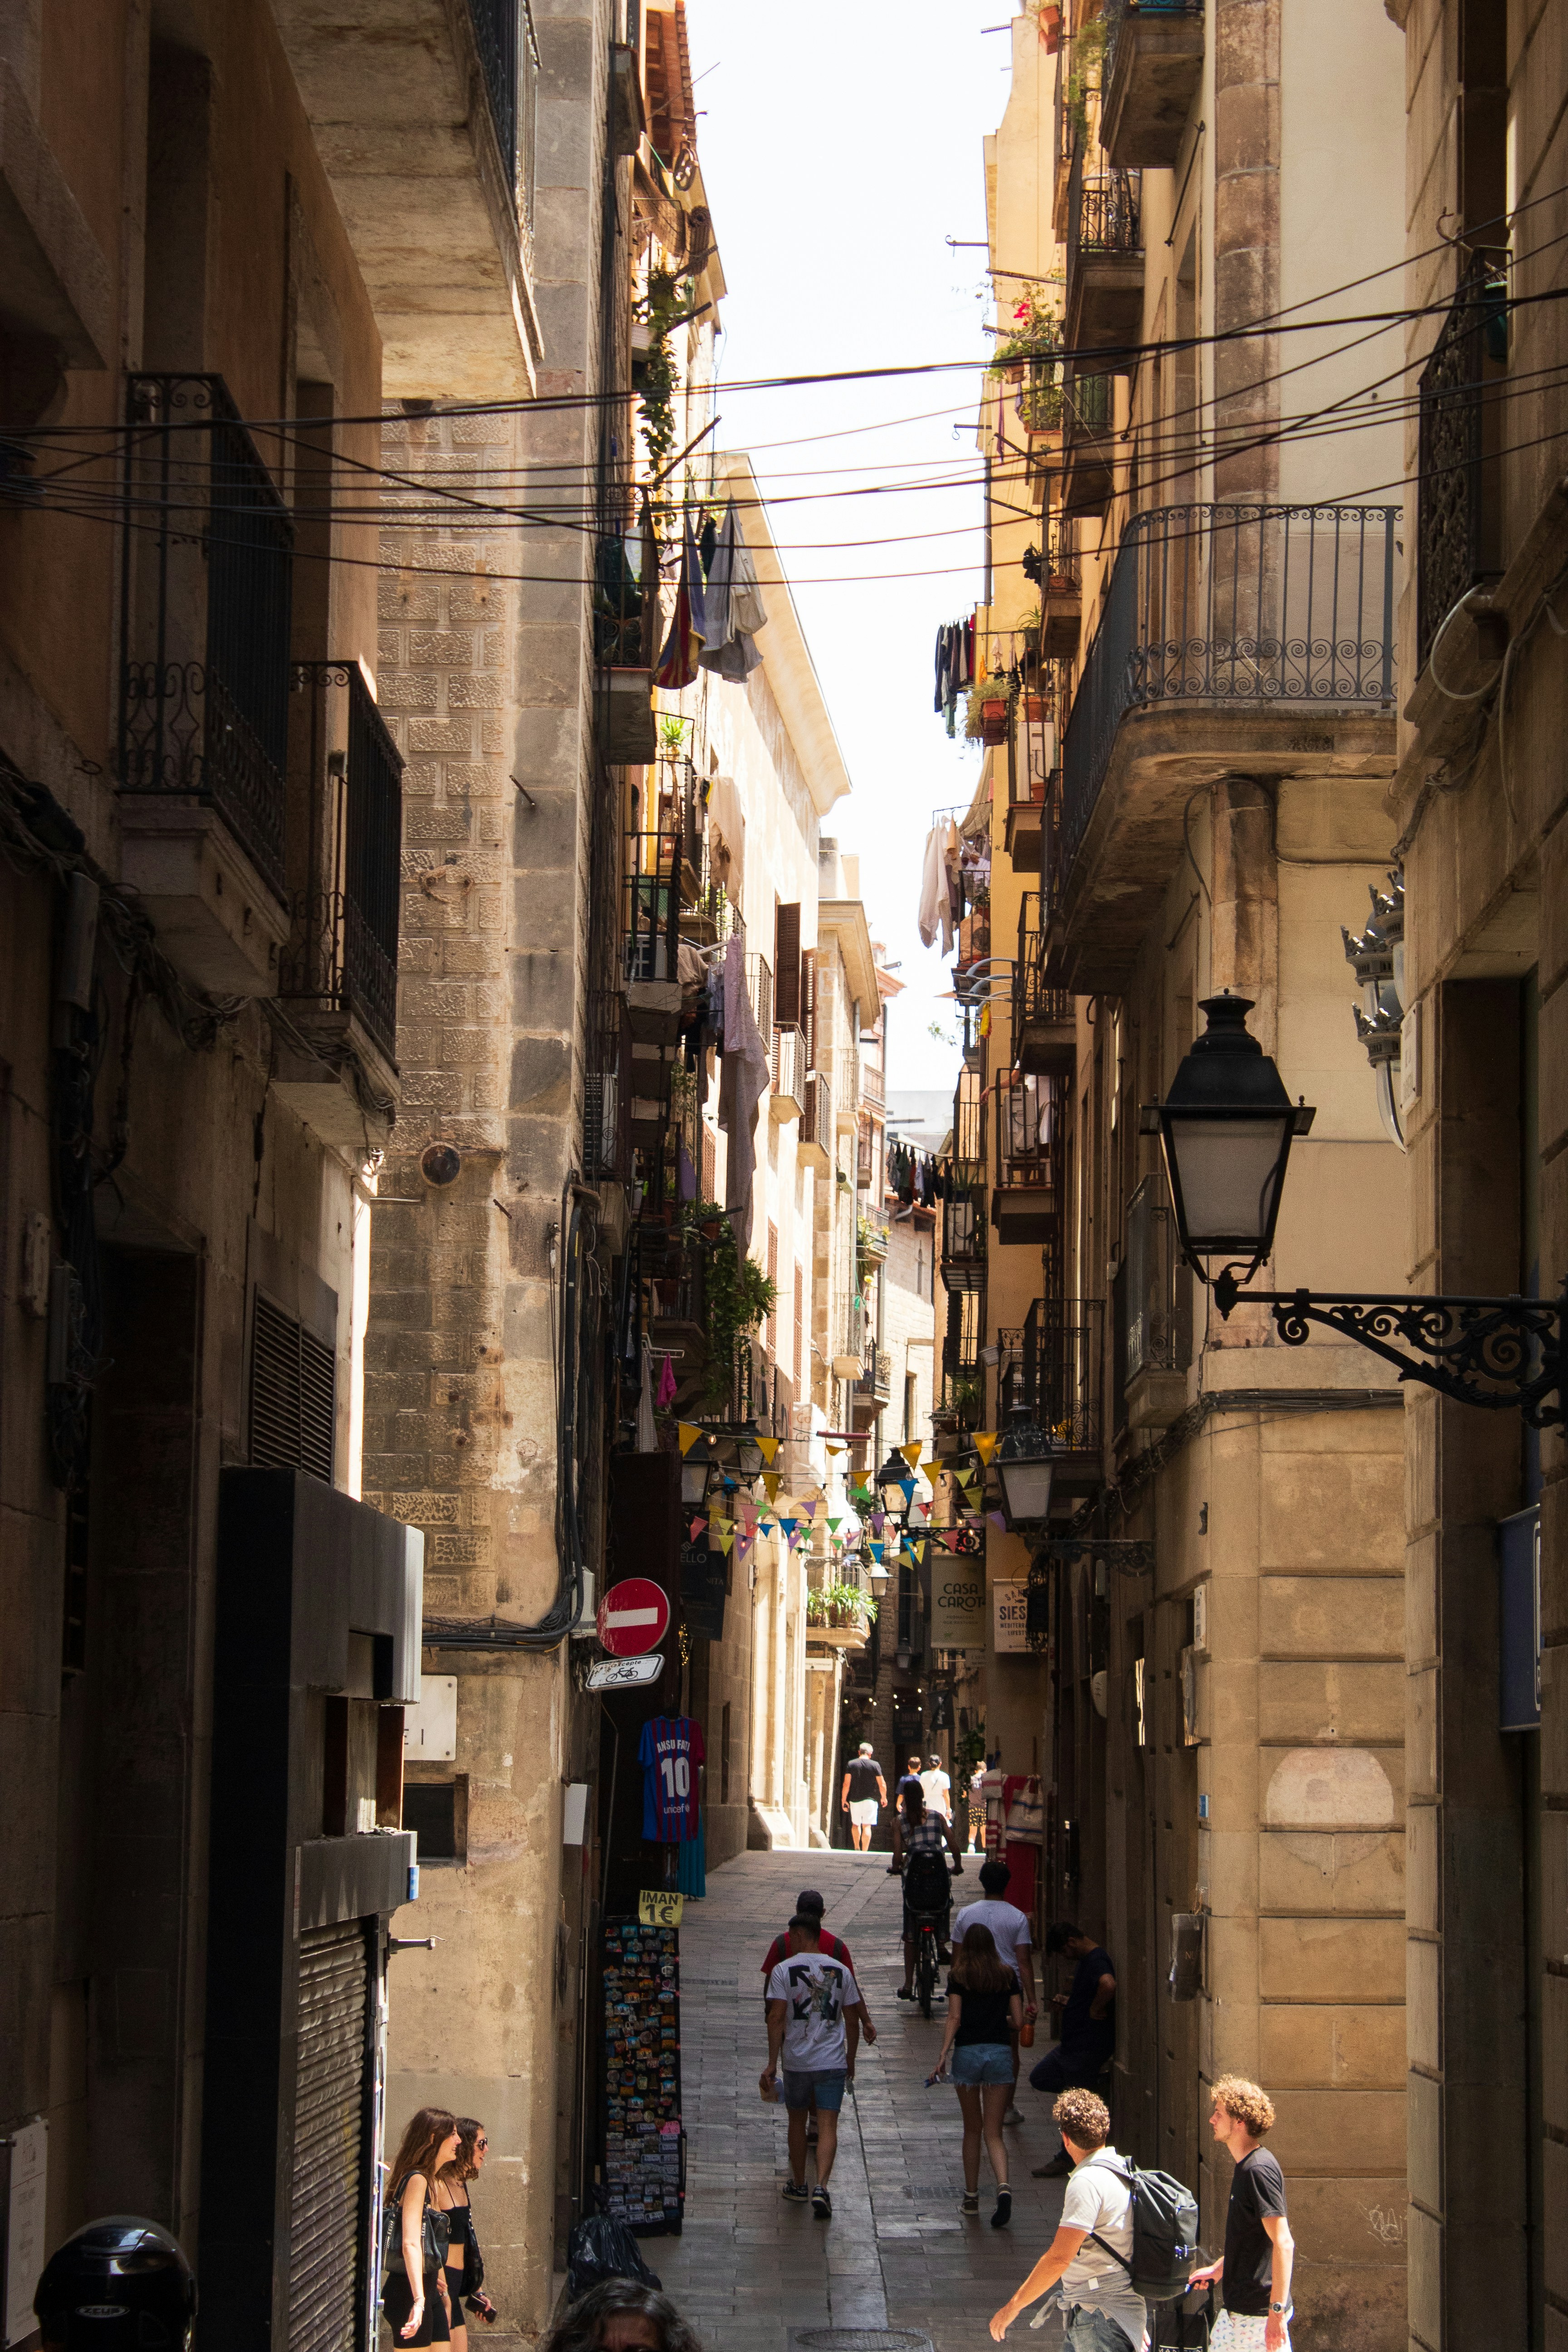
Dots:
{"x": 633, "y": 1616}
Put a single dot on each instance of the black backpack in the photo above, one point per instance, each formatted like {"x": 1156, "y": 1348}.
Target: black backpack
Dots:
{"x": 926, "y": 1885}
{"x": 1164, "y": 2234}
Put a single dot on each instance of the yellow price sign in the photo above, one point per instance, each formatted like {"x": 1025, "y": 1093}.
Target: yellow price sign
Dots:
{"x": 655, "y": 1909}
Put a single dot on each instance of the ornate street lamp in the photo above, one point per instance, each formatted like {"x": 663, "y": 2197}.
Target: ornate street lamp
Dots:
{"x": 1026, "y": 1464}
{"x": 696, "y": 1465}
{"x": 1227, "y": 1129}
{"x": 892, "y": 1478}
{"x": 747, "y": 1453}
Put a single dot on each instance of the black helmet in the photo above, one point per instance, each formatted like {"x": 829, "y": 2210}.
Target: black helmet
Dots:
{"x": 121, "y": 2284}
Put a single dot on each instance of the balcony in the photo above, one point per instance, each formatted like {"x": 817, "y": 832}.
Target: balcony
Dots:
{"x": 1032, "y": 755}
{"x": 1061, "y": 599}
{"x": 1045, "y": 1030}
{"x": 425, "y": 111}
{"x": 815, "y": 1134}
{"x": 338, "y": 973}
{"x": 1459, "y": 493}
{"x": 1105, "y": 260}
{"x": 607, "y": 1089}
{"x": 1025, "y": 1159}
{"x": 963, "y": 1234}
{"x": 969, "y": 1122}
{"x": 1054, "y": 1366}
{"x": 1241, "y": 634}
{"x": 206, "y": 565}
{"x": 625, "y": 626}
{"x": 963, "y": 1374}
{"x": 1088, "y": 445}
{"x": 789, "y": 1085}
{"x": 1158, "y": 1311}
{"x": 875, "y": 1385}
{"x": 1153, "y": 64}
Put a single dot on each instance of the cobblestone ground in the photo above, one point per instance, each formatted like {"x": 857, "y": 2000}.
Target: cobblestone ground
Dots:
{"x": 749, "y": 2268}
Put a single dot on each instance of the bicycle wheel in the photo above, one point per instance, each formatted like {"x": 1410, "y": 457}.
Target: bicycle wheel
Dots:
{"x": 925, "y": 1970}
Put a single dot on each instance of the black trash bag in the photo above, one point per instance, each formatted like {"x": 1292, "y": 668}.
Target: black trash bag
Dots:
{"x": 602, "y": 2248}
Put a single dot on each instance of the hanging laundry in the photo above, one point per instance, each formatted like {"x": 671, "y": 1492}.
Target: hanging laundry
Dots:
{"x": 678, "y": 662}
{"x": 665, "y": 1385}
{"x": 744, "y": 1080}
{"x": 734, "y": 610}
{"x": 647, "y": 1434}
{"x": 935, "y": 911}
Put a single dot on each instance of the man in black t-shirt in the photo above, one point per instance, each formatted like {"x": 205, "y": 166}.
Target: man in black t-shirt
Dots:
{"x": 863, "y": 1795}
{"x": 1087, "y": 2026}
{"x": 1259, "y": 2252}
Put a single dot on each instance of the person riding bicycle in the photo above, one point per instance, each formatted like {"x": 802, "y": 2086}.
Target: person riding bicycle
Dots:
{"x": 918, "y": 1852}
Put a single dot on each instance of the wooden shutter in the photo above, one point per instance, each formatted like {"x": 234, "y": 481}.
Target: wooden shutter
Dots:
{"x": 771, "y": 1342}
{"x": 800, "y": 1367}
{"x": 786, "y": 966}
{"x": 807, "y": 997}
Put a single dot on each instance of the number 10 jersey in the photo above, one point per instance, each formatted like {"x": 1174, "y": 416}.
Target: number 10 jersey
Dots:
{"x": 670, "y": 1752}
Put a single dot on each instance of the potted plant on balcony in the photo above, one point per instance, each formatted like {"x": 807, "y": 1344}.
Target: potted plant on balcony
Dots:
{"x": 990, "y": 710}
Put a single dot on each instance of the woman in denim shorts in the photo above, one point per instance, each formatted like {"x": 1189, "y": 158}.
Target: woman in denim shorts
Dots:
{"x": 984, "y": 2010}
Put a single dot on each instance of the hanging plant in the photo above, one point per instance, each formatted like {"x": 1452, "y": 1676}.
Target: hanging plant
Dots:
{"x": 737, "y": 1297}
{"x": 666, "y": 306}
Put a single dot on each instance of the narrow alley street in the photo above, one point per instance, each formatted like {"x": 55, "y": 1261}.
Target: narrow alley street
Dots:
{"x": 749, "y": 2270}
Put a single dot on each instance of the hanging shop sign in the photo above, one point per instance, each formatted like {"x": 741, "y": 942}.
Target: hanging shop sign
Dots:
{"x": 957, "y": 1600}
{"x": 704, "y": 1582}
{"x": 633, "y": 1617}
{"x": 1010, "y": 1618}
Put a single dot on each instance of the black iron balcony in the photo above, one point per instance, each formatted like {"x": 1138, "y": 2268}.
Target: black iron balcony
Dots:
{"x": 1105, "y": 259}
{"x": 206, "y": 568}
{"x": 1025, "y": 1157}
{"x": 1054, "y": 1365}
{"x": 650, "y": 926}
{"x": 1230, "y": 607}
{"x": 962, "y": 1372}
{"x": 1044, "y": 1029}
{"x": 1460, "y": 509}
{"x": 1087, "y": 445}
{"x": 346, "y": 847}
{"x": 968, "y": 1122}
{"x": 606, "y": 1088}
{"x": 963, "y": 1235}
{"x": 1153, "y": 63}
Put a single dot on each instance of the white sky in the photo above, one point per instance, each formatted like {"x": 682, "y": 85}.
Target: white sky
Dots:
{"x": 841, "y": 146}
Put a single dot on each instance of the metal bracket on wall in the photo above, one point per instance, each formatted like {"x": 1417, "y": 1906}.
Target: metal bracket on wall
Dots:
{"x": 1134, "y": 1558}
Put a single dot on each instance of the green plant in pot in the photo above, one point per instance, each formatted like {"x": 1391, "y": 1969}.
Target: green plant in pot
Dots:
{"x": 738, "y": 1298}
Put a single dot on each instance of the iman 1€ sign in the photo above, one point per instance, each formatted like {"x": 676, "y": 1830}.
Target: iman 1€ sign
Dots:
{"x": 957, "y": 1600}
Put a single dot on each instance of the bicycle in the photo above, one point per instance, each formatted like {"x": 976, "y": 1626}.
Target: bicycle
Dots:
{"x": 927, "y": 1928}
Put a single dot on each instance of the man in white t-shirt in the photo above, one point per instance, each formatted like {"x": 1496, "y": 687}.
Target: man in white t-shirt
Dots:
{"x": 814, "y": 2020}
{"x": 938, "y": 1790}
{"x": 1010, "y": 1933}
{"x": 1103, "y": 2314}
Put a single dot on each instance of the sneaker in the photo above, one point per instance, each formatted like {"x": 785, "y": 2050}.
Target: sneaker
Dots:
{"x": 796, "y": 2191}
{"x": 1013, "y": 2115}
{"x": 822, "y": 2204}
{"x": 1057, "y": 2170}
{"x": 1003, "y": 2213}
{"x": 970, "y": 2203}
{"x": 811, "y": 2134}
{"x": 906, "y": 1993}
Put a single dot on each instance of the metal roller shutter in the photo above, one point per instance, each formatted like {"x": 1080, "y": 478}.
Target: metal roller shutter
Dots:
{"x": 328, "y": 2205}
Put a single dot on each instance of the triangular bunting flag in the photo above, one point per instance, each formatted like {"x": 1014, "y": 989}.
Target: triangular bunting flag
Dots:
{"x": 772, "y": 1481}
{"x": 986, "y": 1443}
{"x": 697, "y": 1528}
{"x": 911, "y": 1453}
{"x": 727, "y": 1540}
{"x": 767, "y": 1447}
{"x": 838, "y": 1449}
{"x": 689, "y": 1434}
{"x": 998, "y": 1519}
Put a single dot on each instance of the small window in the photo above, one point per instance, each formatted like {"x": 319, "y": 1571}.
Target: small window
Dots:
{"x": 438, "y": 1812}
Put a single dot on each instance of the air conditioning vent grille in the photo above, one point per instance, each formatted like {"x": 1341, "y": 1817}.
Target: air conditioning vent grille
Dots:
{"x": 294, "y": 1381}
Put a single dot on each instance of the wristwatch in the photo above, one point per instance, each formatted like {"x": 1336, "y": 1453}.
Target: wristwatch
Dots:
{"x": 1278, "y": 2307}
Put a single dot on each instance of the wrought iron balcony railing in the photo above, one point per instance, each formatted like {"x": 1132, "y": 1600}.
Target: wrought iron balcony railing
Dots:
{"x": 1107, "y": 217}
{"x": 342, "y": 956}
{"x": 968, "y": 1122}
{"x": 650, "y": 928}
{"x": 1457, "y": 515}
{"x": 1226, "y": 605}
{"x": 1023, "y": 1117}
{"x": 1033, "y": 1001}
{"x": 509, "y": 61}
{"x": 1054, "y": 1366}
{"x": 207, "y": 570}
{"x": 1158, "y": 1336}
{"x": 963, "y": 1237}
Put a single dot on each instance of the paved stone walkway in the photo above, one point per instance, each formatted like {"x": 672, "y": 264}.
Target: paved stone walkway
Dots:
{"x": 749, "y": 2268}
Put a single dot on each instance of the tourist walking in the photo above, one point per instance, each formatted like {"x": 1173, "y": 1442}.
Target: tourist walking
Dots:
{"x": 937, "y": 1789}
{"x": 863, "y": 1796}
{"x": 985, "y": 2012}
{"x": 1090, "y": 2257}
{"x": 1088, "y": 2030}
{"x": 621, "y": 2315}
{"x": 1254, "y": 2271}
{"x": 415, "y": 2296}
{"x": 919, "y": 1852}
{"x": 1014, "y": 1948}
{"x": 465, "y": 2263}
{"x": 808, "y": 1904}
{"x": 814, "y": 2019}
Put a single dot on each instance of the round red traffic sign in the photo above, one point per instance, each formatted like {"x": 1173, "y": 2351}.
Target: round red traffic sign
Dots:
{"x": 633, "y": 1616}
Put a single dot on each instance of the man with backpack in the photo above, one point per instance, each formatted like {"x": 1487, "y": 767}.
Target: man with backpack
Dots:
{"x": 1124, "y": 2234}
{"x": 920, "y": 1850}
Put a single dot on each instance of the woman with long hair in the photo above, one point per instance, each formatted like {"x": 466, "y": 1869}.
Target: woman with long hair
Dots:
{"x": 984, "y": 2010}
{"x": 414, "y": 2294}
{"x": 465, "y": 2263}
{"x": 621, "y": 2315}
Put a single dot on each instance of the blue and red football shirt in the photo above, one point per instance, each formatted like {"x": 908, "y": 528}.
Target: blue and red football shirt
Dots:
{"x": 670, "y": 1752}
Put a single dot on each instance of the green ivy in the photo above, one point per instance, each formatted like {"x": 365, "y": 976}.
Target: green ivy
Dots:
{"x": 737, "y": 1297}
{"x": 666, "y": 306}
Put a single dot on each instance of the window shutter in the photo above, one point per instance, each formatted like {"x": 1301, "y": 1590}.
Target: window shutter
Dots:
{"x": 292, "y": 1394}
{"x": 786, "y": 966}
{"x": 809, "y": 1004}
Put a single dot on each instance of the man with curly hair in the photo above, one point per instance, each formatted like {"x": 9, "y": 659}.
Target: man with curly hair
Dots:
{"x": 1255, "y": 2270}
{"x": 1091, "y": 2253}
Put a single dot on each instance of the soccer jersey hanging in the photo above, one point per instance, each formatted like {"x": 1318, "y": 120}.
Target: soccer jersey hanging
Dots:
{"x": 670, "y": 1752}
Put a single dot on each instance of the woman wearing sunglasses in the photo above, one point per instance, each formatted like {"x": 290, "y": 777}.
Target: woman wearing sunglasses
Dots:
{"x": 465, "y": 2263}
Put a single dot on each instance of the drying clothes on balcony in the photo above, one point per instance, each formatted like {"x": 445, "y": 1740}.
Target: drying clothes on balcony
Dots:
{"x": 954, "y": 667}
{"x": 936, "y": 907}
{"x": 743, "y": 1082}
{"x": 677, "y": 661}
{"x": 914, "y": 1177}
{"x": 727, "y": 833}
{"x": 734, "y": 609}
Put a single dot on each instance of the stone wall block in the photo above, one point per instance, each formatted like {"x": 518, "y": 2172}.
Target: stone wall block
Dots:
{"x": 442, "y": 648}
{"x": 1423, "y": 2002}
{"x": 401, "y": 599}
{"x": 437, "y": 735}
{"x": 1357, "y": 1616}
{"x": 1334, "y": 1511}
{"x": 1329, "y": 1700}
{"x": 1326, "y": 1871}
{"x": 1337, "y": 2047}
{"x": 1331, "y": 1959}
{"x": 405, "y": 690}
{"x": 1422, "y": 1889}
